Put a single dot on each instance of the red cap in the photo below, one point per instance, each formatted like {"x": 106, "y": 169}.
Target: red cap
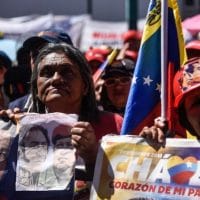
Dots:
{"x": 195, "y": 44}
{"x": 102, "y": 50}
{"x": 131, "y": 54}
{"x": 132, "y": 34}
{"x": 176, "y": 83}
{"x": 91, "y": 55}
{"x": 187, "y": 80}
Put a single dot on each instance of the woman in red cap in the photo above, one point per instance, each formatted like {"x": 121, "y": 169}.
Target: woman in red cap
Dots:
{"x": 96, "y": 56}
{"x": 187, "y": 103}
{"x": 132, "y": 37}
{"x": 131, "y": 40}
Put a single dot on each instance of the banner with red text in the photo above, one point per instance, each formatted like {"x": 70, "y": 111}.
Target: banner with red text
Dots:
{"x": 128, "y": 168}
{"x": 97, "y": 33}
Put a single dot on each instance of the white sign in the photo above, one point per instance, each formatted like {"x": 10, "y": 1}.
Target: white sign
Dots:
{"x": 96, "y": 33}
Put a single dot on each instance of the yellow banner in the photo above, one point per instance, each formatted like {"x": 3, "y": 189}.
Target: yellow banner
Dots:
{"x": 128, "y": 168}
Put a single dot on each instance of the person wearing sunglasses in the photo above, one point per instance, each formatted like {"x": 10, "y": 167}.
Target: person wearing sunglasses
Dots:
{"x": 117, "y": 81}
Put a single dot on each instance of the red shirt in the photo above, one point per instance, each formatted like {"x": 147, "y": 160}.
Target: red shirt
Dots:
{"x": 108, "y": 123}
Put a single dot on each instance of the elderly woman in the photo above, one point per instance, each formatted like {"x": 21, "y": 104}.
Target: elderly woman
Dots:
{"x": 62, "y": 82}
{"x": 187, "y": 103}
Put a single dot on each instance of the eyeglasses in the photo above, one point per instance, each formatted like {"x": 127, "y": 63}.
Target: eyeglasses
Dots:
{"x": 121, "y": 80}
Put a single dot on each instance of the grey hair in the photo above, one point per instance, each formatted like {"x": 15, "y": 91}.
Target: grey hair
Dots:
{"x": 89, "y": 111}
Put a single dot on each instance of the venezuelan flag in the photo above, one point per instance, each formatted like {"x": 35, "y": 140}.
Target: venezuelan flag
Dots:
{"x": 143, "y": 103}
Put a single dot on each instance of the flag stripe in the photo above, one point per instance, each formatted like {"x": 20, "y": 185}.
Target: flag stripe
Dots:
{"x": 176, "y": 46}
{"x": 153, "y": 21}
{"x": 173, "y": 7}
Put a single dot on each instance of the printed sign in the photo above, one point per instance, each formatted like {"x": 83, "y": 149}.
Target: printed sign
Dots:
{"x": 97, "y": 33}
{"x": 46, "y": 157}
{"x": 5, "y": 143}
{"x": 128, "y": 168}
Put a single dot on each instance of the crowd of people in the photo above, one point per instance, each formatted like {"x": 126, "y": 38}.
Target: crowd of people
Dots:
{"x": 56, "y": 76}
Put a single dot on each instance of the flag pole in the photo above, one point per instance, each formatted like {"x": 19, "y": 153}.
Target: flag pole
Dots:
{"x": 164, "y": 56}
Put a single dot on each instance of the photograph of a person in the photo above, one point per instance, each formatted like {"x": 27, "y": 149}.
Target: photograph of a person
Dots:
{"x": 63, "y": 155}
{"x": 5, "y": 141}
{"x": 32, "y": 153}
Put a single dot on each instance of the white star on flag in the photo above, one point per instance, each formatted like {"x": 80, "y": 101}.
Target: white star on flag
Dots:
{"x": 189, "y": 164}
{"x": 134, "y": 79}
{"x": 147, "y": 80}
{"x": 158, "y": 87}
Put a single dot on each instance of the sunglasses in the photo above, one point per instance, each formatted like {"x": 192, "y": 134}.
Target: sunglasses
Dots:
{"x": 125, "y": 80}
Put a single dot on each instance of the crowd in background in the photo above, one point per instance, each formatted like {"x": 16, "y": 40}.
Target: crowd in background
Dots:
{"x": 111, "y": 89}
{"x": 16, "y": 77}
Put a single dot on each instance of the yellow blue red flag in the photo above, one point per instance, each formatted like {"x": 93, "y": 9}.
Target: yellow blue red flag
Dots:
{"x": 144, "y": 97}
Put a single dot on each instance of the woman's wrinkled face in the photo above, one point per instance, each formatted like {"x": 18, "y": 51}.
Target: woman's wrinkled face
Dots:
{"x": 60, "y": 86}
{"x": 192, "y": 107}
